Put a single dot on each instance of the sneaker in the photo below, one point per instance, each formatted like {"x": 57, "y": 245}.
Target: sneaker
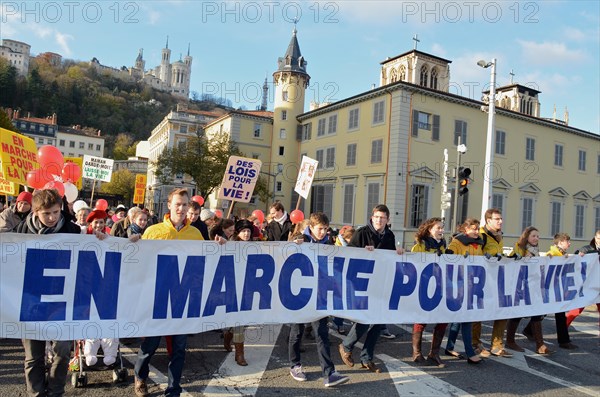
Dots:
{"x": 334, "y": 379}
{"x": 386, "y": 334}
{"x": 297, "y": 374}
{"x": 140, "y": 388}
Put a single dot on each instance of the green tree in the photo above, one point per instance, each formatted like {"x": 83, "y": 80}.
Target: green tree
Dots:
{"x": 5, "y": 122}
{"x": 8, "y": 84}
{"x": 204, "y": 160}
{"x": 122, "y": 182}
{"x": 124, "y": 147}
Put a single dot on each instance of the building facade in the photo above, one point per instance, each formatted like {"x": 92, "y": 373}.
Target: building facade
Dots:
{"x": 174, "y": 130}
{"x": 17, "y": 54}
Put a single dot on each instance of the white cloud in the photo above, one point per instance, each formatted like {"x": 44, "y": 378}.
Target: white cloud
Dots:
{"x": 439, "y": 50}
{"x": 153, "y": 17}
{"x": 549, "y": 52}
{"x": 574, "y": 34}
{"x": 61, "y": 40}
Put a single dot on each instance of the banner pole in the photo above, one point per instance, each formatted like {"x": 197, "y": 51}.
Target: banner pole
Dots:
{"x": 298, "y": 202}
{"x": 230, "y": 209}
{"x": 92, "y": 197}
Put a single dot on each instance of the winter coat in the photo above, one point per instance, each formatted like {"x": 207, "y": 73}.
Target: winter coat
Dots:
{"x": 490, "y": 244}
{"x": 67, "y": 227}
{"x": 10, "y": 219}
{"x": 367, "y": 236}
{"x": 430, "y": 244}
{"x": 277, "y": 232}
{"x": 462, "y": 244}
{"x": 119, "y": 228}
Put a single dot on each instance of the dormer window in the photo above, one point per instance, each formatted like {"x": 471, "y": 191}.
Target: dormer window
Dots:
{"x": 288, "y": 60}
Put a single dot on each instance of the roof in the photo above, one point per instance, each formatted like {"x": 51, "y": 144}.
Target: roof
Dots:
{"x": 292, "y": 61}
{"x": 38, "y": 120}
{"x": 263, "y": 114}
{"x": 521, "y": 88}
{"x": 260, "y": 113}
{"x": 415, "y": 52}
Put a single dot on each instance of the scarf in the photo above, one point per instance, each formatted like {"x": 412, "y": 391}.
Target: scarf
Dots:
{"x": 534, "y": 250}
{"x": 35, "y": 226}
{"x": 135, "y": 229}
{"x": 282, "y": 219}
{"x": 466, "y": 240}
{"x": 433, "y": 244}
{"x": 496, "y": 235}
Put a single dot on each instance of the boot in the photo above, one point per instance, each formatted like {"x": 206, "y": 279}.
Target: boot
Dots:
{"x": 417, "y": 356}
{"x": 239, "y": 354}
{"x": 540, "y": 347}
{"x": 227, "y": 338}
{"x": 528, "y": 332}
{"x": 511, "y": 329}
{"x": 434, "y": 354}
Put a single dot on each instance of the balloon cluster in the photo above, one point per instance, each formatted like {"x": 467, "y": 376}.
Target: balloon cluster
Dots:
{"x": 54, "y": 173}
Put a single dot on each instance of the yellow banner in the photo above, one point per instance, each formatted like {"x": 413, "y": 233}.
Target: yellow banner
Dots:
{"x": 18, "y": 156}
{"x": 79, "y": 162}
{"x": 7, "y": 187}
{"x": 140, "y": 189}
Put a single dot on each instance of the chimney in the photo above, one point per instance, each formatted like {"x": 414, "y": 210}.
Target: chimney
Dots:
{"x": 28, "y": 115}
{"x": 54, "y": 122}
{"x": 16, "y": 114}
{"x": 99, "y": 132}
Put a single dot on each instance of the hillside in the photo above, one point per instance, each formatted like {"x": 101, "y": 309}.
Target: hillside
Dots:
{"x": 79, "y": 95}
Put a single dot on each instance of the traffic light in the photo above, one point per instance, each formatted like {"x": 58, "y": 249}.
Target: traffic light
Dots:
{"x": 463, "y": 180}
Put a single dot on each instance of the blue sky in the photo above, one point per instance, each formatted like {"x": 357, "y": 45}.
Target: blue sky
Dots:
{"x": 552, "y": 46}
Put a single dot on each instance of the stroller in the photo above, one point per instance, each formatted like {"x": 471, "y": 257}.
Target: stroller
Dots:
{"x": 79, "y": 377}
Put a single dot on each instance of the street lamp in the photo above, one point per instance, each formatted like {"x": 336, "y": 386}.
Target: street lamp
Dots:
{"x": 278, "y": 170}
{"x": 489, "y": 159}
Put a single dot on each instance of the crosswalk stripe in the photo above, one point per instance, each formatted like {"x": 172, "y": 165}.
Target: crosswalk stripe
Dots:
{"x": 232, "y": 380}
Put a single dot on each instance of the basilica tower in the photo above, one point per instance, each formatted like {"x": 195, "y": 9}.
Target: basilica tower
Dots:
{"x": 291, "y": 81}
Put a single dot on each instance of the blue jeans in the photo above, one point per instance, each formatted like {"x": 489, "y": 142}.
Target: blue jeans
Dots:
{"x": 147, "y": 350}
{"x": 322, "y": 339}
{"x": 466, "y": 336}
{"x": 356, "y": 332}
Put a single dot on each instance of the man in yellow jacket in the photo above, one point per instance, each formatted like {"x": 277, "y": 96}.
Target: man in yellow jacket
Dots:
{"x": 491, "y": 233}
{"x": 175, "y": 226}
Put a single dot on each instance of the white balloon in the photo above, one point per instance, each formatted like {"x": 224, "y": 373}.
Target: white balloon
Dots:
{"x": 71, "y": 191}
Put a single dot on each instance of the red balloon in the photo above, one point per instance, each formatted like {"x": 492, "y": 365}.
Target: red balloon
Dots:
{"x": 296, "y": 216}
{"x": 198, "y": 199}
{"x": 259, "y": 215}
{"x": 219, "y": 213}
{"x": 37, "y": 179}
{"x": 49, "y": 154}
{"x": 56, "y": 185}
{"x": 71, "y": 172}
{"x": 101, "y": 205}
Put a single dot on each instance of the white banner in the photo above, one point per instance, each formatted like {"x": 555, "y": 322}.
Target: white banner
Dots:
{"x": 306, "y": 174}
{"x": 74, "y": 286}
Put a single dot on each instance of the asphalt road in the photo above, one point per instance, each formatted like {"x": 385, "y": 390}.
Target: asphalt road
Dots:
{"x": 210, "y": 371}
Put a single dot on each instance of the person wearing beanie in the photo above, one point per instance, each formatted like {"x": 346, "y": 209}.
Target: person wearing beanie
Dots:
{"x": 97, "y": 224}
{"x": 12, "y": 216}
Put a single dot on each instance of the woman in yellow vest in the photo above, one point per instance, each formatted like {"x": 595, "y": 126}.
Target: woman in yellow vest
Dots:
{"x": 429, "y": 238}
{"x": 527, "y": 247}
{"x": 467, "y": 242}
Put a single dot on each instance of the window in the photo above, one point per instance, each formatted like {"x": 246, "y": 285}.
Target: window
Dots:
{"x": 284, "y": 115}
{"x": 90, "y": 146}
{"x": 183, "y": 129}
{"x": 330, "y": 157}
{"x": 579, "y": 220}
{"x": 348, "y": 210}
{"x": 418, "y": 208}
{"x": 372, "y": 197}
{"x": 281, "y": 150}
{"x": 558, "y": 155}
{"x": 306, "y": 131}
{"x": 378, "y": 112}
{"x": 257, "y": 130}
{"x": 72, "y": 144}
{"x": 41, "y": 141}
{"x": 322, "y": 199}
{"x": 321, "y": 127}
{"x": 353, "y": 119}
{"x": 530, "y": 149}
{"x": 498, "y": 202}
{"x": 81, "y": 145}
{"x": 284, "y": 95}
{"x": 460, "y": 131}
{"x": 581, "y": 163}
{"x": 319, "y": 157}
{"x": 61, "y": 142}
{"x": 376, "y": 151}
{"x": 98, "y": 147}
{"x": 434, "y": 79}
{"x": 555, "y": 217}
{"x": 332, "y": 124}
{"x": 500, "y": 142}
{"x": 527, "y": 213}
{"x": 598, "y": 170}
{"x": 424, "y": 123}
{"x": 351, "y": 154}
{"x": 282, "y": 134}
{"x": 597, "y": 219}
{"x": 279, "y": 186}
{"x": 424, "y": 76}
